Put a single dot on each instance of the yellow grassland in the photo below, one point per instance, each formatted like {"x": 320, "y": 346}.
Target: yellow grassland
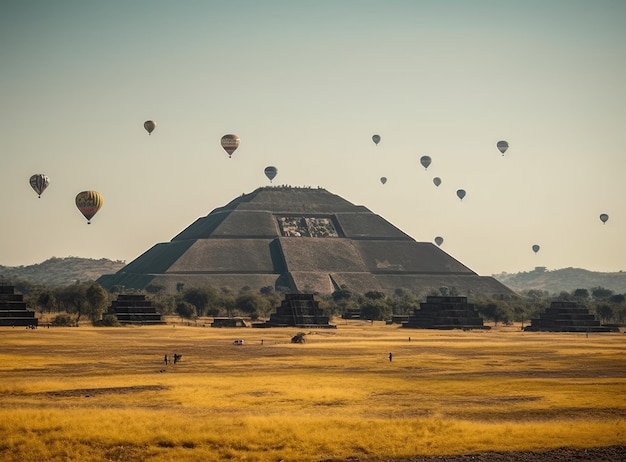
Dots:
{"x": 105, "y": 394}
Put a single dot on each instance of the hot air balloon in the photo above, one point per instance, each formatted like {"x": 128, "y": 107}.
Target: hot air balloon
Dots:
{"x": 536, "y": 248}
{"x": 376, "y": 139}
{"x": 89, "y": 202}
{"x": 460, "y": 193}
{"x": 39, "y": 183}
{"x": 439, "y": 240}
{"x": 383, "y": 179}
{"x": 502, "y": 146}
{"x": 271, "y": 172}
{"x": 425, "y": 161}
{"x": 604, "y": 218}
{"x": 230, "y": 143}
{"x": 149, "y": 125}
{"x": 437, "y": 181}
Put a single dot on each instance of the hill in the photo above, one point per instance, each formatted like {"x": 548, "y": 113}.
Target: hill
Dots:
{"x": 61, "y": 271}
{"x": 565, "y": 279}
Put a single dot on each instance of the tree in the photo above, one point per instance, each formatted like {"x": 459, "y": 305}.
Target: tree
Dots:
{"x": 342, "y": 294}
{"x": 46, "y": 300}
{"x": 600, "y": 293}
{"x": 371, "y": 311}
{"x": 582, "y": 294}
{"x": 74, "y": 299}
{"x": 186, "y": 310}
{"x": 375, "y": 295}
{"x": 200, "y": 298}
{"x": 97, "y": 300}
{"x": 252, "y": 304}
{"x": 605, "y": 312}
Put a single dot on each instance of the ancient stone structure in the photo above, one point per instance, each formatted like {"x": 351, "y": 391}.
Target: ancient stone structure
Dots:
{"x": 134, "y": 309}
{"x": 445, "y": 312}
{"x": 13, "y": 310}
{"x": 297, "y": 310}
{"x": 229, "y": 322}
{"x": 564, "y": 316}
{"x": 298, "y": 240}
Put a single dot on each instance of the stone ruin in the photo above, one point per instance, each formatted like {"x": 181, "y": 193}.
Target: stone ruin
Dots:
{"x": 297, "y": 310}
{"x": 134, "y": 309}
{"x": 13, "y": 310}
{"x": 564, "y": 316}
{"x": 445, "y": 312}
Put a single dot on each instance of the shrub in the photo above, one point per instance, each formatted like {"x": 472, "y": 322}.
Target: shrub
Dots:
{"x": 63, "y": 320}
{"x": 109, "y": 320}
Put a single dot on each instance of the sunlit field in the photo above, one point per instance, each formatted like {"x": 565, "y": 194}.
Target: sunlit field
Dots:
{"x": 105, "y": 394}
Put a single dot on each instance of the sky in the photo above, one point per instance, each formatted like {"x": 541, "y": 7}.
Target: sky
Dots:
{"x": 305, "y": 85}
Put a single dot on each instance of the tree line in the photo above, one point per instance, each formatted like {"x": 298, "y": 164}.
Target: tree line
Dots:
{"x": 82, "y": 301}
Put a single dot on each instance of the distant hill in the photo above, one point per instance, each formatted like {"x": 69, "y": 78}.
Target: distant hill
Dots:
{"x": 61, "y": 271}
{"x": 566, "y": 279}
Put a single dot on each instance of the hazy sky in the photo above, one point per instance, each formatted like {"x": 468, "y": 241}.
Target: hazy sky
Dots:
{"x": 305, "y": 84}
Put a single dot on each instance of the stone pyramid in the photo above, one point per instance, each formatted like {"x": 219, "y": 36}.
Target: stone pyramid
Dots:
{"x": 298, "y": 240}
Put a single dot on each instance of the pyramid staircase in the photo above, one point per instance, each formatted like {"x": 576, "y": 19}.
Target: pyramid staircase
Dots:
{"x": 135, "y": 309}
{"x": 445, "y": 312}
{"x": 564, "y": 316}
{"x": 297, "y": 310}
{"x": 13, "y": 310}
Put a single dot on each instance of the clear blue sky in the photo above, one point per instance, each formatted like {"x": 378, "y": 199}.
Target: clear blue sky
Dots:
{"x": 305, "y": 84}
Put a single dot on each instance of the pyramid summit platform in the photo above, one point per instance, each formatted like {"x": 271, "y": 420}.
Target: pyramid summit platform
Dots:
{"x": 298, "y": 240}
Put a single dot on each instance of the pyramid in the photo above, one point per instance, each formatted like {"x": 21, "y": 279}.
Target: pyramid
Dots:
{"x": 566, "y": 316}
{"x": 298, "y": 240}
{"x": 13, "y": 310}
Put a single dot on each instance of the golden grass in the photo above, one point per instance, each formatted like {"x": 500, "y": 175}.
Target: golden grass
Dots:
{"x": 100, "y": 394}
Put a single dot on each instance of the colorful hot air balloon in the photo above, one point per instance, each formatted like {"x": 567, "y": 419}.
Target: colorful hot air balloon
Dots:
{"x": 383, "y": 179}
{"x": 437, "y": 181}
{"x": 536, "y": 248}
{"x": 460, "y": 193}
{"x": 149, "y": 125}
{"x": 271, "y": 172}
{"x": 39, "y": 182}
{"x": 502, "y": 146}
{"x": 604, "y": 218}
{"x": 425, "y": 161}
{"x": 439, "y": 240}
{"x": 376, "y": 139}
{"x": 89, "y": 202}
{"x": 230, "y": 143}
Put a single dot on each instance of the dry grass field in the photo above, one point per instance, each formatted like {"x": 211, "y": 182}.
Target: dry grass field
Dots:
{"x": 105, "y": 394}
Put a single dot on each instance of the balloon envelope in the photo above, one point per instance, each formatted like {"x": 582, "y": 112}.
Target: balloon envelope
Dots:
{"x": 439, "y": 240}
{"x": 460, "y": 193}
{"x": 39, "y": 182}
{"x": 271, "y": 172}
{"x": 376, "y": 139}
{"x": 536, "y": 248}
{"x": 502, "y": 146}
{"x": 383, "y": 179}
{"x": 230, "y": 143}
{"x": 437, "y": 181}
{"x": 149, "y": 125}
{"x": 604, "y": 217}
{"x": 89, "y": 202}
{"x": 425, "y": 161}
